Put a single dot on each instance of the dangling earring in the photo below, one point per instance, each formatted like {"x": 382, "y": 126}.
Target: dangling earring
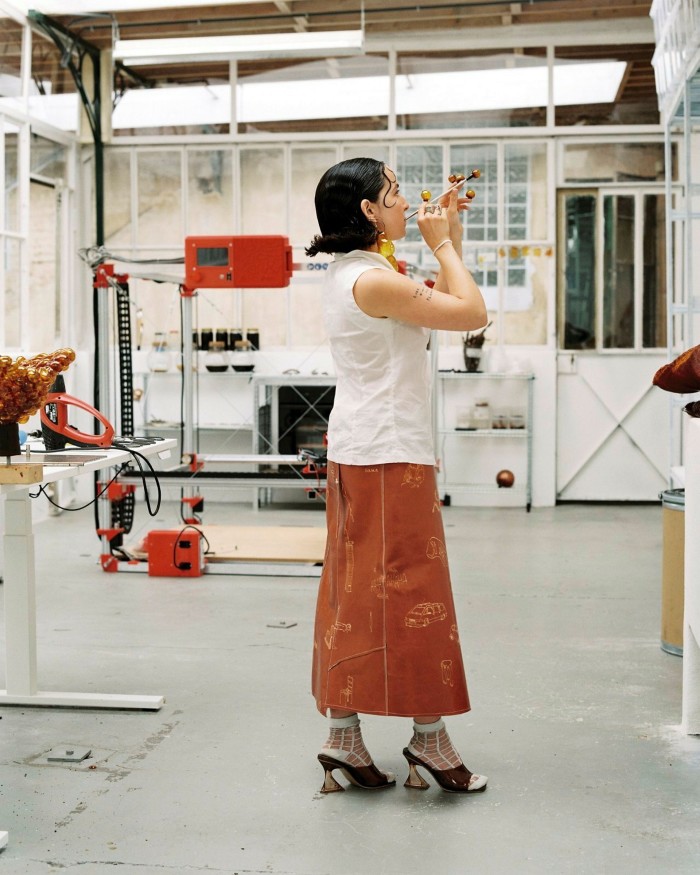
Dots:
{"x": 387, "y": 249}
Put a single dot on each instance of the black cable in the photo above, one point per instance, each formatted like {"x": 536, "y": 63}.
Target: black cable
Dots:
{"x": 137, "y": 457}
{"x": 178, "y": 538}
{"x": 42, "y": 491}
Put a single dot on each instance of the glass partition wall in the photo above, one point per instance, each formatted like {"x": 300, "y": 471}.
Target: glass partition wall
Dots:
{"x": 243, "y": 153}
{"x": 156, "y": 196}
{"x": 37, "y": 167}
{"x": 611, "y": 242}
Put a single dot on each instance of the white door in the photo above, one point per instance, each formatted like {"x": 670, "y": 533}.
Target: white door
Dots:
{"x": 612, "y": 424}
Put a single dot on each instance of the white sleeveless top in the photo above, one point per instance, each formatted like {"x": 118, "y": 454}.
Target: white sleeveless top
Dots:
{"x": 382, "y": 409}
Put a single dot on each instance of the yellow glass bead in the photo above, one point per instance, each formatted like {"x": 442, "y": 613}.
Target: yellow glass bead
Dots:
{"x": 476, "y": 173}
{"x": 471, "y": 192}
{"x": 426, "y": 195}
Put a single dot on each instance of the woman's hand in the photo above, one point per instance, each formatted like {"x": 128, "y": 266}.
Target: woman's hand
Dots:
{"x": 434, "y": 224}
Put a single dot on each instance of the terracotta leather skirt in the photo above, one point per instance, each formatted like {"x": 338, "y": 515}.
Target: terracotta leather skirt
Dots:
{"x": 386, "y": 639}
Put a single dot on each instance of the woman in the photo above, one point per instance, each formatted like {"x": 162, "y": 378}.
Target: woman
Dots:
{"x": 386, "y": 638}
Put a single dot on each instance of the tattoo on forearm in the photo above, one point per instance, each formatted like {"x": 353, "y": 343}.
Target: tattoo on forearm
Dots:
{"x": 423, "y": 290}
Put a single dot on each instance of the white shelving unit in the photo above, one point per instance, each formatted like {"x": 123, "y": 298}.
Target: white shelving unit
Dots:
{"x": 491, "y": 387}
{"x": 224, "y": 400}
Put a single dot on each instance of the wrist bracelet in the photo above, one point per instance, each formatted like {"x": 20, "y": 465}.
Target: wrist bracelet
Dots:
{"x": 442, "y": 243}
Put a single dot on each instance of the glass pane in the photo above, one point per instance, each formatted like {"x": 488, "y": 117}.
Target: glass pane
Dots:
{"x": 378, "y": 151}
{"x": 418, "y": 168}
{"x": 579, "y": 272}
{"x": 654, "y": 313}
{"x": 526, "y": 191}
{"x": 263, "y": 207}
{"x": 307, "y": 167}
{"x": 47, "y": 158}
{"x": 12, "y": 204}
{"x": 614, "y": 162}
{"x": 527, "y": 270}
{"x": 117, "y": 168}
{"x": 482, "y": 219}
{"x": 12, "y": 290}
{"x": 44, "y": 289}
{"x": 336, "y": 94}
{"x": 605, "y": 85}
{"x": 159, "y": 199}
{"x": 483, "y": 263}
{"x": 618, "y": 272}
{"x": 209, "y": 192}
{"x": 303, "y": 324}
{"x": 10, "y": 62}
{"x": 471, "y": 89}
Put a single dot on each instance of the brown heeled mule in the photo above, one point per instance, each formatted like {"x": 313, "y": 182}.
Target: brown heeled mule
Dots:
{"x": 366, "y": 777}
{"x": 457, "y": 780}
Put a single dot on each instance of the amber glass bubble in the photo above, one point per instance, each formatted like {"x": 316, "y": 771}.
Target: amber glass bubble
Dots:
{"x": 27, "y": 381}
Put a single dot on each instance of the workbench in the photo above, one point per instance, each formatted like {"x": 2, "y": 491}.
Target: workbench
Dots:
{"x": 20, "y": 589}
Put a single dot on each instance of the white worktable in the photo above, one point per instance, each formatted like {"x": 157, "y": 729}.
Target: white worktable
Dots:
{"x": 691, "y": 613}
{"x": 20, "y": 592}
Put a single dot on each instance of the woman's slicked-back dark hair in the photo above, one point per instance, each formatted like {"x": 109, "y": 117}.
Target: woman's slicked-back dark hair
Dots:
{"x": 339, "y": 193}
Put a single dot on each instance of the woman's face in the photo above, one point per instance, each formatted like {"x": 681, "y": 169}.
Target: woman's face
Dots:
{"x": 390, "y": 207}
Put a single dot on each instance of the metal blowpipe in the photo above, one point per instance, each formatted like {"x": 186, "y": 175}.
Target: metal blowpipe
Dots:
{"x": 475, "y": 174}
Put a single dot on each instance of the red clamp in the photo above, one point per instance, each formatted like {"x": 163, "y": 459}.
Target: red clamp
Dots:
{"x": 192, "y": 462}
{"x": 118, "y": 491}
{"x": 107, "y": 561}
{"x": 196, "y": 503}
{"x": 103, "y": 274}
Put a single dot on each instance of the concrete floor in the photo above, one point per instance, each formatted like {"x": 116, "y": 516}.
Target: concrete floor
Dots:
{"x": 575, "y": 720}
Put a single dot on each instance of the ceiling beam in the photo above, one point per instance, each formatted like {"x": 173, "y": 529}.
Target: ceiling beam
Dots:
{"x": 595, "y": 33}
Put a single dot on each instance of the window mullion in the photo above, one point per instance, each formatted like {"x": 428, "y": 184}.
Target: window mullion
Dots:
{"x": 599, "y": 269}
{"x": 638, "y": 269}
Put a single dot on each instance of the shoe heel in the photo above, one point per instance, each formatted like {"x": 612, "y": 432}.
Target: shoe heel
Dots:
{"x": 415, "y": 781}
{"x": 330, "y": 785}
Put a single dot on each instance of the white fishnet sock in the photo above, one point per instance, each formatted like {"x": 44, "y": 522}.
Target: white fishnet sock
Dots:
{"x": 345, "y": 742}
{"x": 432, "y": 744}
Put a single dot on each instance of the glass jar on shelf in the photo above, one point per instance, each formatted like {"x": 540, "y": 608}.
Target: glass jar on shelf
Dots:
{"x": 215, "y": 360}
{"x": 253, "y": 338}
{"x": 206, "y": 336}
{"x": 481, "y": 414}
{"x": 242, "y": 357}
{"x": 500, "y": 419}
{"x": 517, "y": 418}
{"x": 159, "y": 358}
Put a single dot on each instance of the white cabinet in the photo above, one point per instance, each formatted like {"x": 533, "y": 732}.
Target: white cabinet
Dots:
{"x": 483, "y": 426}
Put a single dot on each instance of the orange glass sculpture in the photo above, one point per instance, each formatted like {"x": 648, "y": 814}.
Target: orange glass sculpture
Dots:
{"x": 24, "y": 385}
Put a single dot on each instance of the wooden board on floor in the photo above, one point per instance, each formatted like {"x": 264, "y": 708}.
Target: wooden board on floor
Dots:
{"x": 265, "y": 543}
